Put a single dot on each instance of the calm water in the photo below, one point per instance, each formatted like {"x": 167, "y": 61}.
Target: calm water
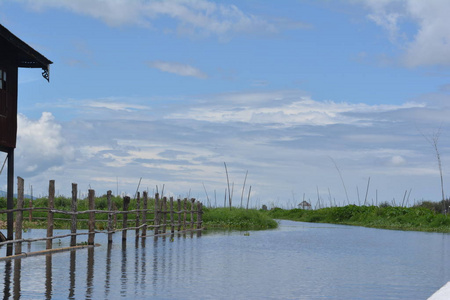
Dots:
{"x": 296, "y": 261}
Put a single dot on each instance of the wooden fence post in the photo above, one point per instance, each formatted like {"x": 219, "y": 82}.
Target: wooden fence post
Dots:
{"x": 73, "y": 224}
{"x": 51, "y": 206}
{"x": 172, "y": 226}
{"x": 192, "y": 213}
{"x": 179, "y": 213}
{"x": 110, "y": 227}
{"x": 156, "y": 219}
{"x": 199, "y": 215}
{"x": 91, "y": 221}
{"x": 126, "y": 202}
{"x": 138, "y": 212}
{"x": 164, "y": 212}
{"x": 144, "y": 214}
{"x": 184, "y": 213}
{"x": 19, "y": 215}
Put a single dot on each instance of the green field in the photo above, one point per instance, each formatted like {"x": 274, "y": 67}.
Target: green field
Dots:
{"x": 416, "y": 218}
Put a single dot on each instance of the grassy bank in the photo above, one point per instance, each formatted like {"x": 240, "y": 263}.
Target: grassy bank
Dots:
{"x": 398, "y": 218}
{"x": 236, "y": 218}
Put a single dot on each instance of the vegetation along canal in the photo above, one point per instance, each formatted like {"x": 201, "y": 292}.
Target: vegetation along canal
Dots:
{"x": 296, "y": 261}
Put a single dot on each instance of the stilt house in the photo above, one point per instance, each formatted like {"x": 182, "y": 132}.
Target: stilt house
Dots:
{"x": 14, "y": 54}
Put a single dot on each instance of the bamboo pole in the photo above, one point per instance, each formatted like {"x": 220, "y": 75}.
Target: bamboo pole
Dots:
{"x": 164, "y": 212}
{"x": 91, "y": 222}
{"x": 138, "y": 207}
{"x": 192, "y": 213}
{"x": 248, "y": 199}
{"x": 172, "y": 227}
{"x": 179, "y": 213}
{"x": 156, "y": 218}
{"x": 199, "y": 215}
{"x": 51, "y": 206}
{"x": 126, "y": 203}
{"x": 184, "y": 213}
{"x": 243, "y": 188}
{"x": 228, "y": 182}
{"x": 19, "y": 215}
{"x": 110, "y": 218}
{"x": 144, "y": 213}
{"x": 45, "y": 252}
{"x": 73, "y": 224}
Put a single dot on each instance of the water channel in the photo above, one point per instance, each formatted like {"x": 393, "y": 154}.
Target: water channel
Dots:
{"x": 296, "y": 261}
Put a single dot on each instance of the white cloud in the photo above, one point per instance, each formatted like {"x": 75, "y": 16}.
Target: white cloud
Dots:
{"x": 398, "y": 160}
{"x": 430, "y": 43}
{"x": 116, "y": 106}
{"x": 287, "y": 112}
{"x": 186, "y": 144}
{"x": 177, "y": 68}
{"x": 41, "y": 145}
{"x": 194, "y": 17}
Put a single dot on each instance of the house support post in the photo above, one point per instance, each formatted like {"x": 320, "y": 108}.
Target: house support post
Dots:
{"x": 10, "y": 202}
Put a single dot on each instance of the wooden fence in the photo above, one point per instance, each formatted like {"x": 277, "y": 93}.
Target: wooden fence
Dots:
{"x": 181, "y": 216}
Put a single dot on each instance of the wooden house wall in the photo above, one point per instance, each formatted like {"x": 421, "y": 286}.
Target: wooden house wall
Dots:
{"x": 8, "y": 96}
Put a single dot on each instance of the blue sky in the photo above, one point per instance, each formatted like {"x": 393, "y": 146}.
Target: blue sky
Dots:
{"x": 168, "y": 91}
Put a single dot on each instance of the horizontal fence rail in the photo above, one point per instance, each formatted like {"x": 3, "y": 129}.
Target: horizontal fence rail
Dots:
{"x": 165, "y": 216}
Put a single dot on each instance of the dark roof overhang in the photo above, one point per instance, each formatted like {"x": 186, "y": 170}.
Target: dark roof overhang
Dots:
{"x": 27, "y": 57}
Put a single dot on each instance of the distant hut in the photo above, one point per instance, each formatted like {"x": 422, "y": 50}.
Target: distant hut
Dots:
{"x": 14, "y": 54}
{"x": 305, "y": 205}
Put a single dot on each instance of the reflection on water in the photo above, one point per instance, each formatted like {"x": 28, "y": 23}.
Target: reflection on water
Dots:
{"x": 48, "y": 276}
{"x": 73, "y": 256}
{"x": 297, "y": 261}
{"x": 79, "y": 286}
{"x": 7, "y": 285}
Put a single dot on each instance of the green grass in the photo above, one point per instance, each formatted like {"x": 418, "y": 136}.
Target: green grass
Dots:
{"x": 237, "y": 218}
{"x": 398, "y": 218}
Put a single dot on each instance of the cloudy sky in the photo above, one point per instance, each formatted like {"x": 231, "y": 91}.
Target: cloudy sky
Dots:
{"x": 309, "y": 97}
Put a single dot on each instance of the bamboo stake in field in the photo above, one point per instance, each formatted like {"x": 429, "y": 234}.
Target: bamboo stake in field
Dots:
{"x": 342, "y": 179}
{"x": 207, "y": 198}
{"x": 225, "y": 199}
{"x": 434, "y": 142}
{"x": 367, "y": 191}
{"x": 243, "y": 187}
{"x": 228, "y": 182}
{"x": 248, "y": 199}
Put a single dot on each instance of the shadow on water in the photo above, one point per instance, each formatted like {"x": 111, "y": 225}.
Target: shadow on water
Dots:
{"x": 107, "y": 271}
